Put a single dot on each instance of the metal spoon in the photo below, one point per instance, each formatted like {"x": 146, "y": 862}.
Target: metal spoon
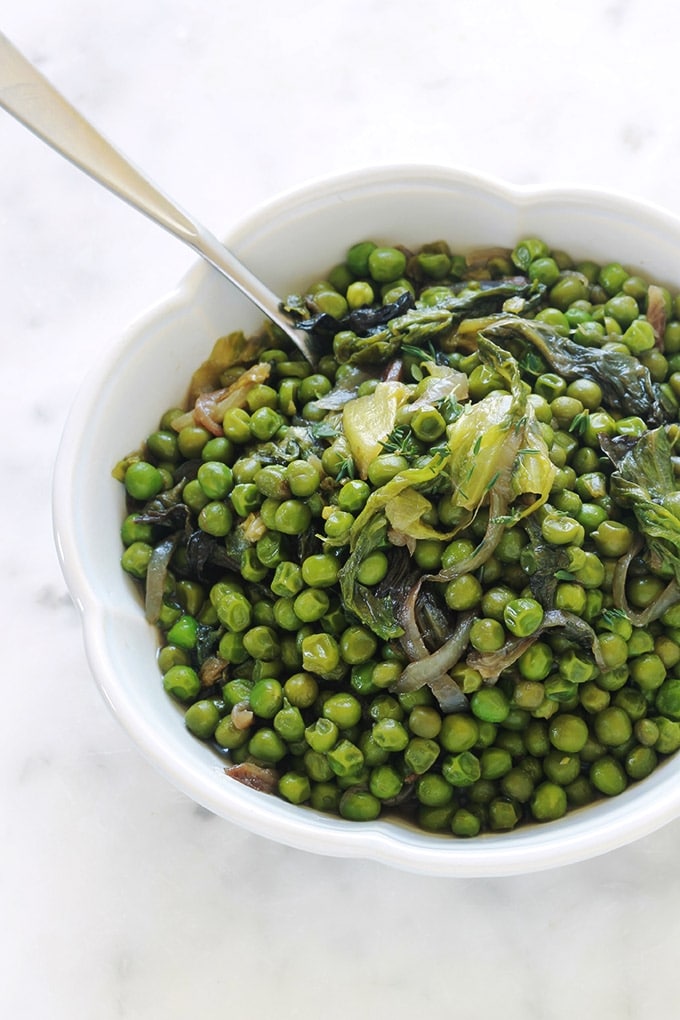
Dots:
{"x": 33, "y": 100}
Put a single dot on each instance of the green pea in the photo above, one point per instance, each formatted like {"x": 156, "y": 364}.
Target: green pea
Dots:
{"x": 386, "y": 264}
{"x": 245, "y": 498}
{"x": 267, "y": 745}
{"x": 338, "y": 523}
{"x": 463, "y": 592}
{"x": 487, "y": 635}
{"x": 322, "y": 735}
{"x": 215, "y": 519}
{"x": 562, "y": 530}
{"x": 385, "y": 467}
{"x": 357, "y": 644}
{"x": 301, "y": 690}
{"x": 433, "y": 790}
{"x": 202, "y": 719}
{"x": 342, "y": 709}
{"x": 216, "y": 479}
{"x": 527, "y": 250}
{"x": 465, "y": 823}
{"x": 548, "y": 802}
{"x": 373, "y": 568}
{"x": 303, "y": 478}
{"x": 608, "y": 776}
{"x": 494, "y": 762}
{"x": 425, "y": 721}
{"x": 170, "y": 655}
{"x": 182, "y": 682}
{"x": 295, "y": 787}
{"x": 236, "y": 425}
{"x": 490, "y": 704}
{"x": 143, "y": 481}
{"x": 346, "y": 759}
{"x": 133, "y": 530}
{"x": 649, "y": 673}
{"x": 668, "y": 699}
{"x": 357, "y": 257}
{"x": 385, "y": 782}
{"x": 261, "y": 642}
{"x": 320, "y": 654}
{"x": 420, "y": 755}
{"x": 517, "y": 784}
{"x": 390, "y": 734}
{"x": 613, "y": 726}
{"x": 184, "y": 632}
{"x": 535, "y": 664}
{"x": 523, "y": 616}
{"x": 289, "y": 722}
{"x": 359, "y": 806}
{"x": 568, "y": 733}
{"x": 462, "y": 769}
{"x": 503, "y": 814}
{"x": 266, "y": 698}
{"x": 136, "y": 558}
{"x": 639, "y": 337}
{"x": 320, "y": 570}
{"x": 229, "y": 736}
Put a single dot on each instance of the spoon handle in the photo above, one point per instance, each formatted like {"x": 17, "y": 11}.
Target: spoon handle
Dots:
{"x": 33, "y": 100}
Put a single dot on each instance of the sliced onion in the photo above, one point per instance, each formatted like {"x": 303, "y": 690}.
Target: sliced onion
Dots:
{"x": 434, "y": 666}
{"x": 255, "y": 776}
{"x": 156, "y": 575}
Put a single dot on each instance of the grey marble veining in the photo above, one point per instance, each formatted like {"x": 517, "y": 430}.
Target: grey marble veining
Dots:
{"x": 119, "y": 897}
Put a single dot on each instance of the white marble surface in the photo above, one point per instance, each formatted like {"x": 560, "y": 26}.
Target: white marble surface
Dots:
{"x": 119, "y": 898}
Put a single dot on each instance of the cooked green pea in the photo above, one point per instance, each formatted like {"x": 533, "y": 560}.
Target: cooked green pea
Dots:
{"x": 568, "y": 733}
{"x": 143, "y": 481}
{"x": 562, "y": 530}
{"x": 182, "y": 682}
{"x": 613, "y": 726}
{"x": 373, "y": 568}
{"x": 390, "y": 734}
{"x": 490, "y": 704}
{"x": 465, "y": 823}
{"x": 535, "y": 664}
{"x": 503, "y": 814}
{"x": 202, "y": 718}
{"x": 346, "y": 759}
{"x": 648, "y": 672}
{"x": 136, "y": 558}
{"x": 311, "y": 604}
{"x": 523, "y": 616}
{"x": 342, "y": 709}
{"x": 458, "y": 732}
{"x": 357, "y": 644}
{"x": 386, "y": 264}
{"x": 463, "y": 592}
{"x": 487, "y": 635}
{"x": 267, "y": 745}
{"x": 320, "y": 570}
{"x": 320, "y": 654}
{"x": 668, "y": 699}
{"x": 295, "y": 787}
{"x": 420, "y": 755}
{"x": 462, "y": 769}
{"x": 548, "y": 802}
{"x": 608, "y": 776}
{"x": 359, "y": 806}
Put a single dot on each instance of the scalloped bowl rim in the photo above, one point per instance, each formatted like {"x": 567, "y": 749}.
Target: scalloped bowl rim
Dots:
{"x": 113, "y": 623}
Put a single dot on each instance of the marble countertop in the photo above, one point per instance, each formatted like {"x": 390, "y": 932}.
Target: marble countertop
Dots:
{"x": 119, "y": 897}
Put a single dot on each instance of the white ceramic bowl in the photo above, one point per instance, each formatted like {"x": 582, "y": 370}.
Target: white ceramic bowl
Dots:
{"x": 290, "y": 242}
